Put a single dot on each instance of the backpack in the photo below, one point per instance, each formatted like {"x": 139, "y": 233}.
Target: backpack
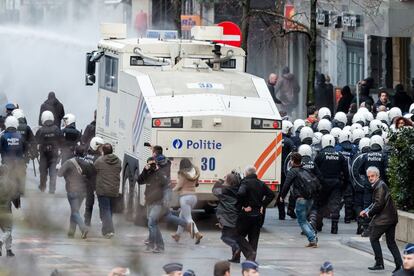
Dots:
{"x": 308, "y": 184}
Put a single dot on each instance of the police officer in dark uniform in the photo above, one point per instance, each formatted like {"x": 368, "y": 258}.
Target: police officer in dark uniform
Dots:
{"x": 28, "y": 140}
{"x": 334, "y": 169}
{"x": 48, "y": 138}
{"x": 348, "y": 150}
{"x": 359, "y": 181}
{"x": 71, "y": 137}
{"x": 91, "y": 155}
{"x": 12, "y": 148}
{"x": 287, "y": 147}
{"x": 374, "y": 158}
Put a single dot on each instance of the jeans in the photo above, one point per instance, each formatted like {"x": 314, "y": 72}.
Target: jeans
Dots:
{"x": 158, "y": 212}
{"x": 75, "y": 202}
{"x": 389, "y": 231}
{"x": 229, "y": 236}
{"x": 302, "y": 209}
{"x": 154, "y": 213}
{"x": 105, "y": 211}
{"x": 187, "y": 203}
{"x": 6, "y": 225}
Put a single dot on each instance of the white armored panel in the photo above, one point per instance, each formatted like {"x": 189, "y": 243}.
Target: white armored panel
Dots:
{"x": 113, "y": 31}
{"x": 207, "y": 33}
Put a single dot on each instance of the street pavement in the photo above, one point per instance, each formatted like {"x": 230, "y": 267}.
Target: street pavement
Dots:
{"x": 41, "y": 245}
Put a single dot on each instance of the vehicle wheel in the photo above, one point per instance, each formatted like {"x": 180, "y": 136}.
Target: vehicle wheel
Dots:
{"x": 140, "y": 214}
{"x": 127, "y": 195}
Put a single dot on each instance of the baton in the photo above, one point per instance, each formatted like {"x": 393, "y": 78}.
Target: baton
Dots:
{"x": 34, "y": 167}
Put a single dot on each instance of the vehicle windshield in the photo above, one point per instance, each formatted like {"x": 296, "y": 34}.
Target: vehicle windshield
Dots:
{"x": 223, "y": 83}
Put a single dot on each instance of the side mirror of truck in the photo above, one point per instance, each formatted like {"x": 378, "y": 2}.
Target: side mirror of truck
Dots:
{"x": 91, "y": 59}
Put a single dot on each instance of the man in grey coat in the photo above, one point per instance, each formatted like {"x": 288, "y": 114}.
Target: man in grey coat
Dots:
{"x": 384, "y": 220}
{"x": 108, "y": 169}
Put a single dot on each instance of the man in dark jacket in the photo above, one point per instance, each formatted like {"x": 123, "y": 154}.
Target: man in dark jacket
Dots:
{"x": 156, "y": 183}
{"x": 76, "y": 172}
{"x": 384, "y": 220}
{"x": 71, "y": 137}
{"x": 324, "y": 94}
{"x": 303, "y": 203}
{"x": 89, "y": 132}
{"x": 228, "y": 212}
{"x": 408, "y": 262}
{"x": 108, "y": 169}
{"x": 383, "y": 100}
{"x": 254, "y": 196}
{"x": 53, "y": 105}
{"x": 401, "y": 99}
{"x": 48, "y": 138}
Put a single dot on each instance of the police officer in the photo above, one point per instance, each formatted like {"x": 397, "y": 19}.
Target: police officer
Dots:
{"x": 91, "y": 155}
{"x": 408, "y": 262}
{"x": 298, "y": 124}
{"x": 48, "y": 138}
{"x": 287, "y": 147}
{"x": 374, "y": 158}
{"x": 339, "y": 120}
{"x": 359, "y": 182}
{"x": 27, "y": 134}
{"x": 333, "y": 167}
{"x": 306, "y": 152}
{"x": 306, "y": 135}
{"x": 375, "y": 127}
{"x": 12, "y": 148}
{"x": 348, "y": 150}
{"x": 324, "y": 126}
{"x": 71, "y": 137}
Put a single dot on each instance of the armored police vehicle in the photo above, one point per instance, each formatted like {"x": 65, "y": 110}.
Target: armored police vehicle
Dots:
{"x": 193, "y": 98}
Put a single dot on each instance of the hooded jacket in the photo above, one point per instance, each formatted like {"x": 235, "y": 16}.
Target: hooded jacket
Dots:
{"x": 324, "y": 94}
{"x": 227, "y": 209}
{"x": 287, "y": 89}
{"x": 53, "y": 105}
{"x": 187, "y": 181}
{"x": 108, "y": 169}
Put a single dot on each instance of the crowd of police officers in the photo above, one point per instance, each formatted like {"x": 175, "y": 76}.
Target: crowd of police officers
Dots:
{"x": 341, "y": 148}
{"x": 51, "y": 144}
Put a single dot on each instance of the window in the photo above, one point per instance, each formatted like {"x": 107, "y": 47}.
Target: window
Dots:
{"x": 355, "y": 64}
{"x": 108, "y": 73}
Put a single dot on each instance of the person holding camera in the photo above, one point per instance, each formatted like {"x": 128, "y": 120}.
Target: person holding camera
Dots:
{"x": 156, "y": 184}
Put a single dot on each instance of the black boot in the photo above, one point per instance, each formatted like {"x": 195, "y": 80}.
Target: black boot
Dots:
{"x": 10, "y": 253}
{"x": 378, "y": 266}
{"x": 360, "y": 229}
{"x": 334, "y": 227}
{"x": 236, "y": 257}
